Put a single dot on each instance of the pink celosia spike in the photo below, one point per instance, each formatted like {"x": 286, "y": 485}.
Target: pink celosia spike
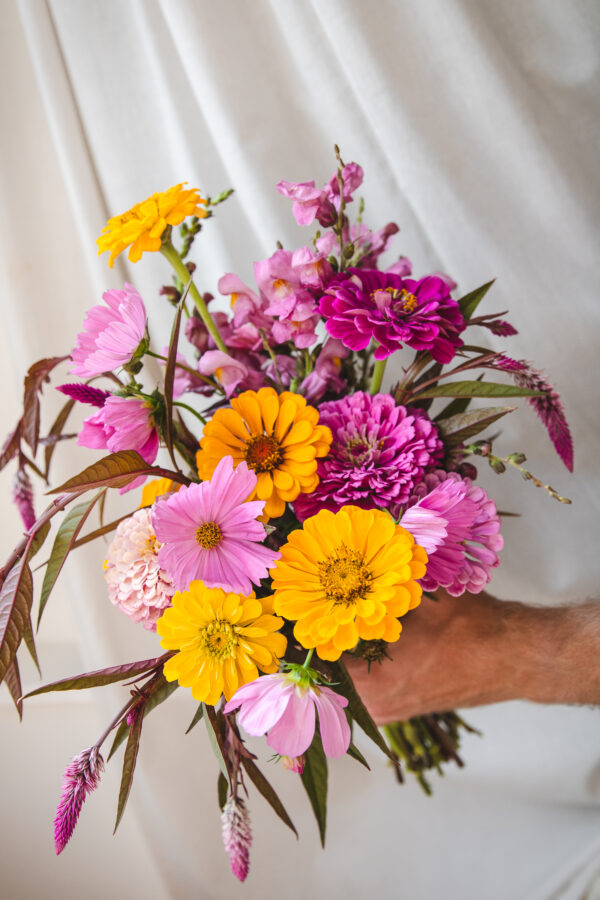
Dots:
{"x": 237, "y": 836}
{"x": 84, "y": 393}
{"x": 550, "y": 410}
{"x": 82, "y": 776}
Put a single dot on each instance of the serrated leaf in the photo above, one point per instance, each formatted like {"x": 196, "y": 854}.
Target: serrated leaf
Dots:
{"x": 37, "y": 374}
{"x": 469, "y": 303}
{"x": 475, "y": 389}
{"x": 63, "y": 542}
{"x": 158, "y": 695}
{"x": 100, "y": 677}
{"x": 458, "y": 428}
{"x": 56, "y": 429}
{"x": 197, "y": 716}
{"x": 129, "y": 761}
{"x": 357, "y": 708}
{"x": 16, "y": 598}
{"x": 215, "y": 737}
{"x": 268, "y": 792}
{"x": 114, "y": 470}
{"x": 222, "y": 790}
{"x": 11, "y": 445}
{"x": 355, "y": 753}
{"x": 314, "y": 779}
{"x": 12, "y": 679}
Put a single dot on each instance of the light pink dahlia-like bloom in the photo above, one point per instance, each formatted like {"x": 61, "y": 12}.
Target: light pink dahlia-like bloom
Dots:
{"x": 210, "y": 532}
{"x": 464, "y": 558}
{"x": 111, "y": 334}
{"x": 137, "y": 583}
{"x": 284, "y": 709}
{"x": 82, "y": 776}
{"x": 237, "y": 836}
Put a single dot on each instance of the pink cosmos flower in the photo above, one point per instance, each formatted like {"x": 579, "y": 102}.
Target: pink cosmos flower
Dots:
{"x": 210, "y": 533}
{"x": 462, "y": 559}
{"x": 111, "y": 334}
{"x": 123, "y": 423}
{"x": 136, "y": 582}
{"x": 228, "y": 371}
{"x": 283, "y": 709}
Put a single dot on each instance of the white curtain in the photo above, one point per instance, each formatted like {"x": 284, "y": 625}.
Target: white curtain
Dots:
{"x": 477, "y": 125}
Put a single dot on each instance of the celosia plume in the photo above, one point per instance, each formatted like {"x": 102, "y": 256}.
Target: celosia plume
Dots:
{"x": 23, "y": 497}
{"x": 237, "y": 836}
{"x": 85, "y": 393}
{"x": 82, "y": 776}
{"x": 550, "y": 410}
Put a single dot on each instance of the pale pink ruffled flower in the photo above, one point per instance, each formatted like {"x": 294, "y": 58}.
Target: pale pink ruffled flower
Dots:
{"x": 81, "y": 777}
{"x": 283, "y": 709}
{"x": 228, "y": 371}
{"x": 210, "y": 532}
{"x": 237, "y": 836}
{"x": 462, "y": 559}
{"x": 136, "y": 581}
{"x": 111, "y": 334}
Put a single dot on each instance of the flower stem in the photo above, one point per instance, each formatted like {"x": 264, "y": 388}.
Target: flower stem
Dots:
{"x": 181, "y": 270}
{"x": 306, "y": 662}
{"x": 189, "y": 409}
{"x": 377, "y": 376}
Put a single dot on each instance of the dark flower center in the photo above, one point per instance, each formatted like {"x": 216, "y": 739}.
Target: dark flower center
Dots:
{"x": 263, "y": 453}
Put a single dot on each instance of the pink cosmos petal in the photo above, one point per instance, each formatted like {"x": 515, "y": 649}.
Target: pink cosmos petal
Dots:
{"x": 427, "y": 527}
{"x": 264, "y": 712}
{"x": 111, "y": 334}
{"x": 335, "y": 730}
{"x": 293, "y": 733}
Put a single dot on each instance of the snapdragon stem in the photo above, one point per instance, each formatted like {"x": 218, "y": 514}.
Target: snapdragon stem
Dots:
{"x": 181, "y": 270}
{"x": 190, "y": 409}
{"x": 377, "y": 377}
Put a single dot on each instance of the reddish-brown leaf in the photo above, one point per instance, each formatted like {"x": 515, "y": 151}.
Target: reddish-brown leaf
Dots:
{"x": 101, "y": 677}
{"x": 13, "y": 683}
{"x": 36, "y": 376}
{"x": 16, "y": 598}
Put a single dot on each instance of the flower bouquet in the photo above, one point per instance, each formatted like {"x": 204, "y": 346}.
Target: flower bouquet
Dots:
{"x": 291, "y": 510}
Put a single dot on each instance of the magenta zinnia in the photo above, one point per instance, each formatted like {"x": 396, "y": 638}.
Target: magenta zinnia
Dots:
{"x": 210, "y": 532}
{"x": 393, "y": 311}
{"x": 112, "y": 334}
{"x": 378, "y": 454}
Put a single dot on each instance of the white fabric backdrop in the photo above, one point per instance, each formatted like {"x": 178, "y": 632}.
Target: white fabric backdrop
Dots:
{"x": 477, "y": 124}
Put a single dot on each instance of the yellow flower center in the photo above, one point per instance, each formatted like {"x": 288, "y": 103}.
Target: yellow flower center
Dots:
{"x": 402, "y": 298}
{"x": 151, "y": 543}
{"x": 263, "y": 453}
{"x": 344, "y": 576}
{"x": 209, "y": 535}
{"x": 219, "y": 639}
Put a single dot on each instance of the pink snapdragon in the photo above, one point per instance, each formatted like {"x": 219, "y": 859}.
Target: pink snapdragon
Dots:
{"x": 323, "y": 204}
{"x": 326, "y": 373}
{"x": 228, "y": 371}
{"x": 283, "y": 705}
{"x": 112, "y": 334}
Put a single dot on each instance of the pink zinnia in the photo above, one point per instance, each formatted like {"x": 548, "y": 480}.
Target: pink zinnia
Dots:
{"x": 462, "y": 559}
{"x": 123, "y": 423}
{"x": 112, "y": 333}
{"x": 283, "y": 708}
{"x": 393, "y": 311}
{"x": 82, "y": 776}
{"x": 210, "y": 532}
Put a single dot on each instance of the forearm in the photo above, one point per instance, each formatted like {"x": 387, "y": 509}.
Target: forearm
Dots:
{"x": 475, "y": 650}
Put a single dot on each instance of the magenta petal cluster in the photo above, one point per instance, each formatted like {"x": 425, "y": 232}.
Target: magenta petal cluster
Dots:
{"x": 123, "y": 423}
{"x": 284, "y": 709}
{"x": 464, "y": 558}
{"x": 394, "y": 311}
{"x": 82, "y": 776}
{"x": 210, "y": 532}
{"x": 549, "y": 409}
{"x": 379, "y": 452}
{"x": 111, "y": 334}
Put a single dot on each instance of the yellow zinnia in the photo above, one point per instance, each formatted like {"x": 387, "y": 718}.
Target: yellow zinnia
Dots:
{"x": 142, "y": 226}
{"x": 277, "y": 435}
{"x": 158, "y": 487}
{"x": 345, "y": 576}
{"x": 222, "y": 639}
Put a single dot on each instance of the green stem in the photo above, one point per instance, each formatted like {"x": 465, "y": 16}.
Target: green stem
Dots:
{"x": 181, "y": 270}
{"x": 377, "y": 376}
{"x": 194, "y": 372}
{"x": 306, "y": 662}
{"x": 190, "y": 409}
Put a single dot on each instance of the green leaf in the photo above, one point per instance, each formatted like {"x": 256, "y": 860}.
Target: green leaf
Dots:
{"x": 115, "y": 470}
{"x": 101, "y": 677}
{"x": 197, "y": 716}
{"x": 16, "y": 598}
{"x": 66, "y": 536}
{"x": 38, "y": 540}
{"x": 355, "y": 753}
{"x": 475, "y": 389}
{"x": 314, "y": 779}
{"x": 454, "y": 408}
{"x": 129, "y": 761}
{"x": 265, "y": 788}
{"x": 469, "y": 303}
{"x": 458, "y": 428}
{"x": 12, "y": 679}
{"x": 56, "y": 429}
{"x": 216, "y": 738}
{"x": 358, "y": 710}
{"x": 222, "y": 790}
{"x": 161, "y": 691}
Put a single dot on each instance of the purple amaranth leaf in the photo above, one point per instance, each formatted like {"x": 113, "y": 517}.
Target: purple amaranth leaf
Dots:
{"x": 22, "y": 495}
{"x": 82, "y": 776}
{"x": 549, "y": 409}
{"x": 237, "y": 837}
{"x": 85, "y": 393}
